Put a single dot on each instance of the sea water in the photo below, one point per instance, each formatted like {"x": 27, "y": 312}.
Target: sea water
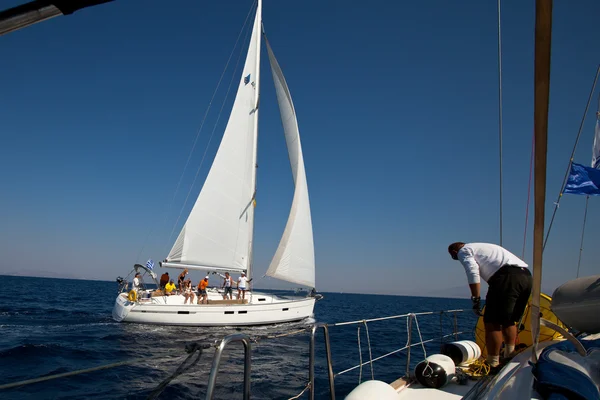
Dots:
{"x": 51, "y": 326}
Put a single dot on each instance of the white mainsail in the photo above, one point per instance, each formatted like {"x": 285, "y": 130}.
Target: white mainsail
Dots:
{"x": 218, "y": 232}
{"x": 294, "y": 260}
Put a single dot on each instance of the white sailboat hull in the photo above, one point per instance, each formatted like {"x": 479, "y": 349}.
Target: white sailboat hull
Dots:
{"x": 261, "y": 309}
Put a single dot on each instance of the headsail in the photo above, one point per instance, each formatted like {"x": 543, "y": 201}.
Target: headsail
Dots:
{"x": 294, "y": 260}
{"x": 218, "y": 231}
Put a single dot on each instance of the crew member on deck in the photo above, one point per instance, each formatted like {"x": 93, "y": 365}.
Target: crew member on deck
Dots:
{"x": 509, "y": 286}
{"x": 164, "y": 279}
{"x": 242, "y": 285}
{"x": 170, "y": 288}
{"x": 181, "y": 278}
{"x": 202, "y": 291}
{"x": 137, "y": 282}
{"x": 188, "y": 293}
{"x": 227, "y": 284}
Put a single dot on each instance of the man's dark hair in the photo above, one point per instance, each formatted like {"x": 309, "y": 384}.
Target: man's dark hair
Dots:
{"x": 455, "y": 246}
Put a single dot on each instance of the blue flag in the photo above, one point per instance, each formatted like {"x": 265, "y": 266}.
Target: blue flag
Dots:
{"x": 583, "y": 180}
{"x": 150, "y": 264}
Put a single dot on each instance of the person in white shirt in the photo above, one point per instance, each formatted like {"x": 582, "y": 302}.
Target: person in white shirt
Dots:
{"x": 242, "y": 285}
{"x": 509, "y": 287}
{"x": 136, "y": 284}
{"x": 227, "y": 286}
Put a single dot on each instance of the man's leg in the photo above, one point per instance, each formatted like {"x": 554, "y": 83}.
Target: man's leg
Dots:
{"x": 495, "y": 314}
{"x": 493, "y": 342}
{"x": 521, "y": 284}
{"x": 510, "y": 337}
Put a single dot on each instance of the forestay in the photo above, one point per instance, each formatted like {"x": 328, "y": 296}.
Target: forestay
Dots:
{"x": 218, "y": 231}
{"x": 294, "y": 260}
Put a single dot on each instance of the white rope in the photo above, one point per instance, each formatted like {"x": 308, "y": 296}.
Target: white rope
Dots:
{"x": 427, "y": 366}
{"x": 370, "y": 354}
{"x": 359, "y": 358}
{"x": 420, "y": 337}
{"x": 301, "y": 393}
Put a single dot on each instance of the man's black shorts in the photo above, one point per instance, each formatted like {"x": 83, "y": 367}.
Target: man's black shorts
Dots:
{"x": 507, "y": 296}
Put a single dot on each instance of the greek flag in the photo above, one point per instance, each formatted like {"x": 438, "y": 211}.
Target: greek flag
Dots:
{"x": 150, "y": 264}
{"x": 586, "y": 180}
{"x": 583, "y": 180}
{"x": 247, "y": 79}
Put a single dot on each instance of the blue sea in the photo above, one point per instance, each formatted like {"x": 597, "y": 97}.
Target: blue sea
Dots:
{"x": 51, "y": 326}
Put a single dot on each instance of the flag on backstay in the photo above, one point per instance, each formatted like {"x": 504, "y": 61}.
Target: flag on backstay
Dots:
{"x": 586, "y": 180}
{"x": 583, "y": 180}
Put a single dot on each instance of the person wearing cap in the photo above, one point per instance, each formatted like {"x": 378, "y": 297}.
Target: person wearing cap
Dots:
{"x": 242, "y": 285}
{"x": 137, "y": 283}
{"x": 170, "y": 287}
{"x": 202, "y": 291}
{"x": 509, "y": 286}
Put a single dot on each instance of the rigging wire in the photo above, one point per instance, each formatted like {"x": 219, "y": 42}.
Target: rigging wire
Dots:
{"x": 562, "y": 188}
{"x": 587, "y": 198}
{"x": 244, "y": 28}
{"x": 500, "y": 110}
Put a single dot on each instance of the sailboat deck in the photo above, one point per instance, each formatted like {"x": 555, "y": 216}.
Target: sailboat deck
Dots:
{"x": 234, "y": 301}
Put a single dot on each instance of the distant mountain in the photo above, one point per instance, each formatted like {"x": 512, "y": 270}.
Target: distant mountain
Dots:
{"x": 46, "y": 274}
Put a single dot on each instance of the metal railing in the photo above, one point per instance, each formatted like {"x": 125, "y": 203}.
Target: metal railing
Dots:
{"x": 214, "y": 371}
{"x": 411, "y": 318}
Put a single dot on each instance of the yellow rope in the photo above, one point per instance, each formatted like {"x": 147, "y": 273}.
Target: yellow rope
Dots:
{"x": 479, "y": 368}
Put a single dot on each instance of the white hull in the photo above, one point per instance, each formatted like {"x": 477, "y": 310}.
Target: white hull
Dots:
{"x": 169, "y": 310}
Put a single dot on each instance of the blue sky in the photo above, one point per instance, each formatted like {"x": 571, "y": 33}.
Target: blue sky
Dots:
{"x": 397, "y": 105}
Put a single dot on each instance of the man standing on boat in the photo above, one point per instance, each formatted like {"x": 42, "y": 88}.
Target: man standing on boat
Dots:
{"x": 509, "y": 286}
{"x": 202, "y": 295}
{"x": 242, "y": 285}
{"x": 137, "y": 282}
{"x": 227, "y": 284}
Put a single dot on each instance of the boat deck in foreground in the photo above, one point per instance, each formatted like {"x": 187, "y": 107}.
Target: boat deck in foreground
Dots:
{"x": 512, "y": 382}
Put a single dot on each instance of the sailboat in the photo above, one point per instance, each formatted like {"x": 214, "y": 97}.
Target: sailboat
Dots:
{"x": 218, "y": 234}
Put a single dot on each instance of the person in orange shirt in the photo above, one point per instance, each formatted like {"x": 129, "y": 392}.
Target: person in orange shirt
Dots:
{"x": 202, "y": 291}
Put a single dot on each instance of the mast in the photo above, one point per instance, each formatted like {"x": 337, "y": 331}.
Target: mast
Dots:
{"x": 543, "y": 40}
{"x": 258, "y": 28}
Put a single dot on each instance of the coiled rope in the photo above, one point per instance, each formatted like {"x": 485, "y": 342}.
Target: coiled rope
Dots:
{"x": 479, "y": 368}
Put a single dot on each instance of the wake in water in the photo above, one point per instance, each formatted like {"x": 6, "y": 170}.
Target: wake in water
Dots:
{"x": 52, "y": 334}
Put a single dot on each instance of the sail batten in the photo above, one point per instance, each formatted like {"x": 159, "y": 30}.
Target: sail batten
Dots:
{"x": 218, "y": 230}
{"x": 294, "y": 260}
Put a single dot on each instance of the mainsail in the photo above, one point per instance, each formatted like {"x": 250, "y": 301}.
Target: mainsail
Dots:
{"x": 294, "y": 260}
{"x": 218, "y": 231}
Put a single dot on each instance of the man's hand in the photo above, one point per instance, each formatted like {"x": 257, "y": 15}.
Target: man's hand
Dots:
{"x": 477, "y": 306}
